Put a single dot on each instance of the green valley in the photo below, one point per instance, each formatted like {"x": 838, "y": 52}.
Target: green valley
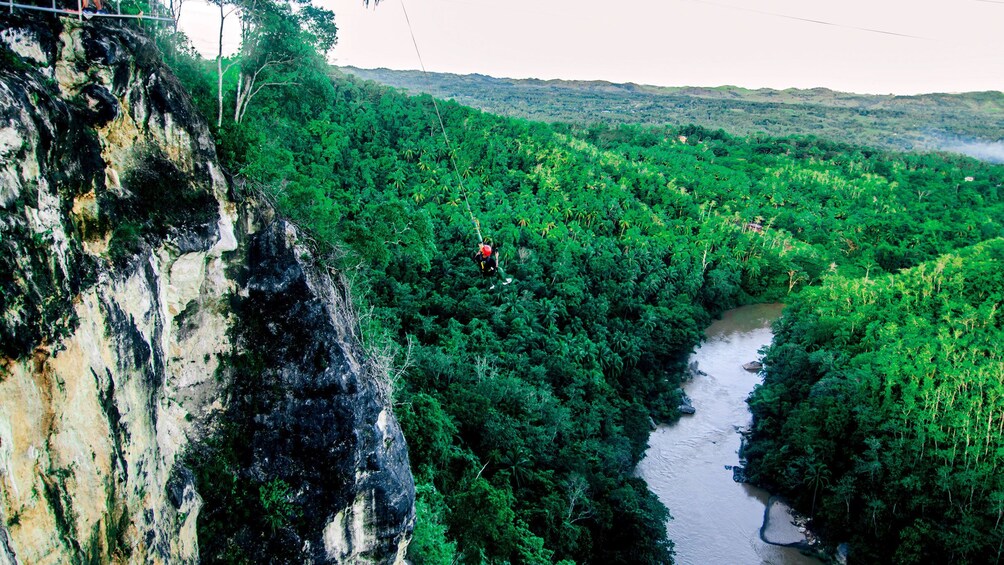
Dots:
{"x": 244, "y": 318}
{"x": 527, "y": 406}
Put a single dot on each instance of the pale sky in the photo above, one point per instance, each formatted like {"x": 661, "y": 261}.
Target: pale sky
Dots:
{"x": 866, "y": 46}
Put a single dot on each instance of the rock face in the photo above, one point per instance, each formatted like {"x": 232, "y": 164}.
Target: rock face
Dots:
{"x": 327, "y": 427}
{"x": 129, "y": 281}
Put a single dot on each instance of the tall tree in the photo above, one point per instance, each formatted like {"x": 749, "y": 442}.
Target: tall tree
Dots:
{"x": 276, "y": 38}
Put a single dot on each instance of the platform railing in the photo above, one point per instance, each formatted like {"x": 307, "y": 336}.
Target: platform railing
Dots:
{"x": 11, "y": 6}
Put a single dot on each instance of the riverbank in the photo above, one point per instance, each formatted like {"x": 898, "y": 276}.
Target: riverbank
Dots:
{"x": 783, "y": 526}
{"x": 689, "y": 463}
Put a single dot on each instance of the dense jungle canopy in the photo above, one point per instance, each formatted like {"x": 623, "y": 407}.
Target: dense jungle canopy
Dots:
{"x": 527, "y": 406}
{"x": 882, "y": 410}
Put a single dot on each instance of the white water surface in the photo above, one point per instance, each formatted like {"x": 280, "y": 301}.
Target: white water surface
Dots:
{"x": 716, "y": 520}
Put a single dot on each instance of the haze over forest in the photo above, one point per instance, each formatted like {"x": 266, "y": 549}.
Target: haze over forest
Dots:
{"x": 970, "y": 123}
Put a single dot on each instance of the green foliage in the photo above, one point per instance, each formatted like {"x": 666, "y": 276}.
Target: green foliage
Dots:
{"x": 429, "y": 542}
{"x": 244, "y": 519}
{"x": 196, "y": 74}
{"x": 526, "y": 406}
{"x": 816, "y": 207}
{"x": 881, "y": 408}
{"x": 126, "y": 241}
{"x": 11, "y": 62}
{"x": 274, "y": 497}
{"x": 229, "y": 501}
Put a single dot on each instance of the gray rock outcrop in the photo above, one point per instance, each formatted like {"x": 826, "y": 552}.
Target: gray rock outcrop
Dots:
{"x": 329, "y": 427}
{"x": 129, "y": 281}
{"x": 780, "y": 526}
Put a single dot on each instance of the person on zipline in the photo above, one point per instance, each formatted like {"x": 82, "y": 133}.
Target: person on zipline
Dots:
{"x": 486, "y": 258}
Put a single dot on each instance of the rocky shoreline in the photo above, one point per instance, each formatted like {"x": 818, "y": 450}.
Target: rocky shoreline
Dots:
{"x": 785, "y": 527}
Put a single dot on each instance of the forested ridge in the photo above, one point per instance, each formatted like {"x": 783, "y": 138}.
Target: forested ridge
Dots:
{"x": 965, "y": 122}
{"x": 527, "y": 406}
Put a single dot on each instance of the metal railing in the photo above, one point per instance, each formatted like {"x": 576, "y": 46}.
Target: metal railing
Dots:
{"x": 80, "y": 14}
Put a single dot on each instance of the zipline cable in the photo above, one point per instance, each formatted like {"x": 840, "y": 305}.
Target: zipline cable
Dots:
{"x": 811, "y": 20}
{"x": 442, "y": 127}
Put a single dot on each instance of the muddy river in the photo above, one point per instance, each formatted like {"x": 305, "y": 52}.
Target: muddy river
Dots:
{"x": 688, "y": 464}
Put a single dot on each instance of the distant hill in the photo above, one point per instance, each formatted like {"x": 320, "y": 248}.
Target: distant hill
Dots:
{"x": 970, "y": 123}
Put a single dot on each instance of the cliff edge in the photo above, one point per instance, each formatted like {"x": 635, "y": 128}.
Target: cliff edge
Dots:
{"x": 146, "y": 314}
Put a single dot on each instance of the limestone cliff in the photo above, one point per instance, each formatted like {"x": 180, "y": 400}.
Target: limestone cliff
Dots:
{"x": 131, "y": 285}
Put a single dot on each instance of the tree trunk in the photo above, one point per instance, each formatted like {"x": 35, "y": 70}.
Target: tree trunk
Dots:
{"x": 239, "y": 97}
{"x": 219, "y": 72}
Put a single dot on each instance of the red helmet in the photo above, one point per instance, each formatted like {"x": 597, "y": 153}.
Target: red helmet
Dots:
{"x": 486, "y": 249}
